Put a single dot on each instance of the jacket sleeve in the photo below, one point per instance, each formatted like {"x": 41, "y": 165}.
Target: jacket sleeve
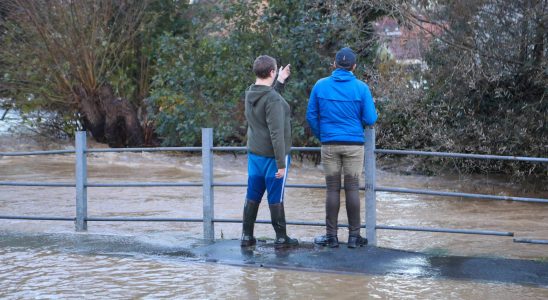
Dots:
{"x": 275, "y": 122}
{"x": 313, "y": 113}
{"x": 279, "y": 87}
{"x": 369, "y": 114}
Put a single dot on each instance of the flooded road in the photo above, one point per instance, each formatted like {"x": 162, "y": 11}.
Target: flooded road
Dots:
{"x": 29, "y": 271}
{"x": 50, "y": 274}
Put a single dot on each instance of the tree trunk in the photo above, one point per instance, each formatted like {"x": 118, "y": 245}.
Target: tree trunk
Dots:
{"x": 112, "y": 120}
{"x": 540, "y": 36}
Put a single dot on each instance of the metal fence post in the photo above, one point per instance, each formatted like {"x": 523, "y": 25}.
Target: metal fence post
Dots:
{"x": 207, "y": 174}
{"x": 370, "y": 199}
{"x": 81, "y": 182}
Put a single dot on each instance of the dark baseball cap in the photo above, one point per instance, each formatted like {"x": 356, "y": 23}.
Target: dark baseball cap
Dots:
{"x": 345, "y": 58}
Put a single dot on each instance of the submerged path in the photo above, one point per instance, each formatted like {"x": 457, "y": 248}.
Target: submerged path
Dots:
{"x": 306, "y": 257}
{"x": 378, "y": 261}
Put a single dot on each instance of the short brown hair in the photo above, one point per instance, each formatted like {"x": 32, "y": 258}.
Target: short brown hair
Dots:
{"x": 263, "y": 65}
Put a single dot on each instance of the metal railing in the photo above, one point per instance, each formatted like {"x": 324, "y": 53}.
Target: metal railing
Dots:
{"x": 81, "y": 185}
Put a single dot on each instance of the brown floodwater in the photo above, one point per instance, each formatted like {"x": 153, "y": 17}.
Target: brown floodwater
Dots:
{"x": 36, "y": 272}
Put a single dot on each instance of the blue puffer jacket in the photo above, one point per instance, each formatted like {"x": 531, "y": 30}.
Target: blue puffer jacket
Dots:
{"x": 339, "y": 107}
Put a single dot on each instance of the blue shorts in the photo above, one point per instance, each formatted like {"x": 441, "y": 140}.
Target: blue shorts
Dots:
{"x": 262, "y": 177}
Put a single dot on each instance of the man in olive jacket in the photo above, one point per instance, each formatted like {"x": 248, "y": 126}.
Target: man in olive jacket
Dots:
{"x": 269, "y": 145}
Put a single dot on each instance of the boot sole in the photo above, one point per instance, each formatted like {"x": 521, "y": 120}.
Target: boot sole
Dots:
{"x": 356, "y": 246}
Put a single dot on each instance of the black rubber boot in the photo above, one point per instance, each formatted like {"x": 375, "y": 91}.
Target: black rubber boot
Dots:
{"x": 277, "y": 215}
{"x": 250, "y": 215}
{"x": 355, "y": 241}
{"x": 327, "y": 240}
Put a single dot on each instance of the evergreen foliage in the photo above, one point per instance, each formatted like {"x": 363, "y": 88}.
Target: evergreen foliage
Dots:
{"x": 201, "y": 78}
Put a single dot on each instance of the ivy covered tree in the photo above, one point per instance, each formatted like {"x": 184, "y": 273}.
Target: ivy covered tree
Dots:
{"x": 83, "y": 64}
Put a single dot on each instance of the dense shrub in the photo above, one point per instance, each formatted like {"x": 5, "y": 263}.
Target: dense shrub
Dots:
{"x": 201, "y": 78}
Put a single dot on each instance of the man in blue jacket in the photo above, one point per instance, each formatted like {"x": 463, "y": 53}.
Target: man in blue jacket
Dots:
{"x": 338, "y": 109}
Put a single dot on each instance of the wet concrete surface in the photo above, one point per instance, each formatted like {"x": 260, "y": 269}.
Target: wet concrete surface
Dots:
{"x": 377, "y": 261}
{"x": 305, "y": 257}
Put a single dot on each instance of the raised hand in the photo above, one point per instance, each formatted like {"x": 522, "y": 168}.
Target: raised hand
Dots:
{"x": 284, "y": 73}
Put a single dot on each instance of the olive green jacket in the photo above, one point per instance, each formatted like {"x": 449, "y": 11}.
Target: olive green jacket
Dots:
{"x": 268, "y": 122}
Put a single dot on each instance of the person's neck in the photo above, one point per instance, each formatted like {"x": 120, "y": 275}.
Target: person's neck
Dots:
{"x": 266, "y": 81}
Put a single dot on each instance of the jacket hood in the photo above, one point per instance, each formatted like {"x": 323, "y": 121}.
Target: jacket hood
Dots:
{"x": 255, "y": 92}
{"x": 342, "y": 75}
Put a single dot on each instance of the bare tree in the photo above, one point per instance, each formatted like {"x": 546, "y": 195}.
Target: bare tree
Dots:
{"x": 486, "y": 79}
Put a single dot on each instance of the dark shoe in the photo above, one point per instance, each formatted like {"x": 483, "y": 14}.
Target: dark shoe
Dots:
{"x": 327, "y": 240}
{"x": 285, "y": 242}
{"x": 250, "y": 216}
{"x": 277, "y": 215}
{"x": 247, "y": 241}
{"x": 356, "y": 241}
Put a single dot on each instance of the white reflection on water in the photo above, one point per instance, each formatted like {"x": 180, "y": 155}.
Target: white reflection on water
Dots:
{"x": 48, "y": 273}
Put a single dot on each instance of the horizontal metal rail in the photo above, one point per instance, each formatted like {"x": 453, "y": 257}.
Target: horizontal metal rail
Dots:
{"x": 303, "y": 186}
{"x": 441, "y": 230}
{"x": 462, "y": 155}
{"x": 298, "y": 223}
{"x": 407, "y": 191}
{"x": 143, "y": 184}
{"x": 446, "y": 230}
{"x": 229, "y": 149}
{"x": 287, "y": 222}
{"x": 458, "y": 194}
{"x": 238, "y": 184}
{"x": 316, "y": 186}
{"x": 119, "y": 184}
{"x": 30, "y": 183}
{"x": 156, "y": 149}
{"x": 48, "y": 152}
{"x": 232, "y": 184}
{"x": 244, "y": 149}
{"x": 142, "y": 219}
{"x": 530, "y": 241}
{"x": 40, "y": 218}
{"x": 306, "y": 149}
{"x": 411, "y": 152}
